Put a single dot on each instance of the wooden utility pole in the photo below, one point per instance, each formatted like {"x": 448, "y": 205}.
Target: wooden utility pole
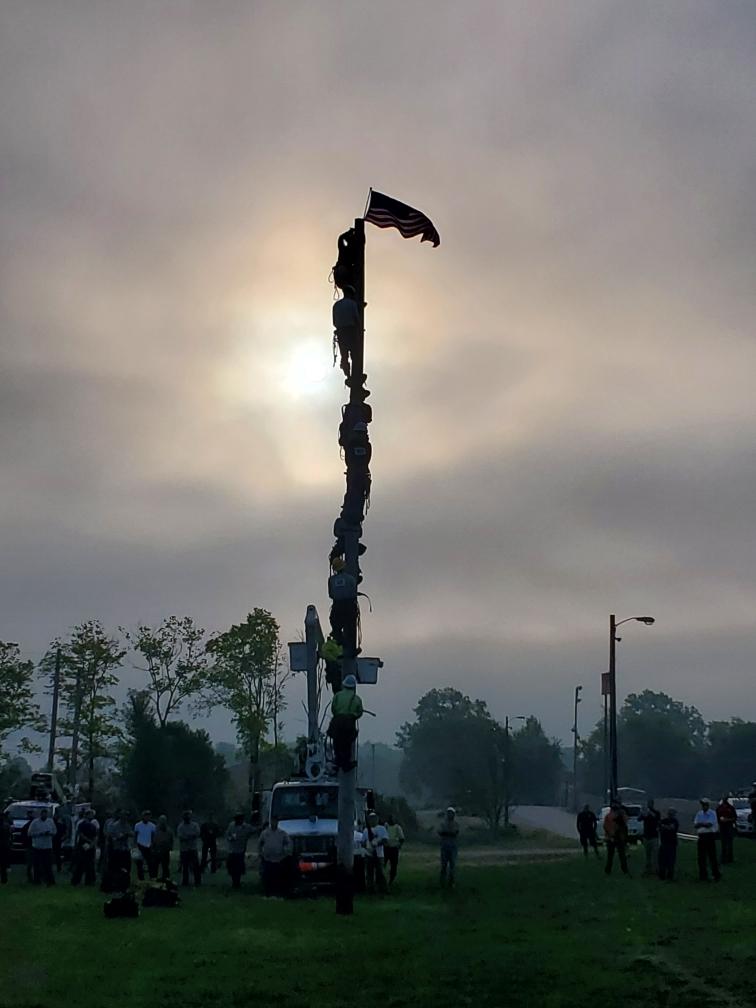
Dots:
{"x": 351, "y": 533}
{"x": 54, "y": 712}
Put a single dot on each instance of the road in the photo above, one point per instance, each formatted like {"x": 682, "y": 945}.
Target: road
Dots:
{"x": 555, "y": 820}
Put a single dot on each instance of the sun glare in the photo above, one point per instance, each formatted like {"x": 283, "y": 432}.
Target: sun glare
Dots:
{"x": 306, "y": 367}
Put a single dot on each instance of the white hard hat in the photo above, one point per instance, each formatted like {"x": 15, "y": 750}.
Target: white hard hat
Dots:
{"x": 452, "y": 810}
{"x": 349, "y": 682}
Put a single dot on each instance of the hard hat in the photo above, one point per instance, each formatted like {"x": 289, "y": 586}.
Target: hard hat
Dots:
{"x": 452, "y": 810}
{"x": 349, "y": 682}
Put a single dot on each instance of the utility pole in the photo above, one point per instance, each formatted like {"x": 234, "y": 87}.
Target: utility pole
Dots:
{"x": 352, "y": 516}
{"x": 613, "y": 768}
{"x": 313, "y": 640}
{"x": 73, "y": 768}
{"x": 578, "y": 690}
{"x": 372, "y": 753}
{"x": 507, "y": 778}
{"x": 54, "y": 712}
{"x": 605, "y": 753}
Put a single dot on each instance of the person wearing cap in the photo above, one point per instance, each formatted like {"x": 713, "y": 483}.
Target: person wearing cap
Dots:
{"x": 374, "y": 840}
{"x": 706, "y": 827}
{"x": 188, "y": 834}
{"x": 615, "y": 835}
{"x": 346, "y": 710}
{"x": 668, "y": 829}
{"x": 448, "y": 834}
{"x": 237, "y": 837}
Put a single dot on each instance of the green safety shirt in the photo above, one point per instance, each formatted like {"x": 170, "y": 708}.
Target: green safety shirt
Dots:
{"x": 346, "y": 701}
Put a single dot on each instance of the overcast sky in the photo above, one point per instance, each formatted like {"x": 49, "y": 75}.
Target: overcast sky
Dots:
{"x": 563, "y": 392}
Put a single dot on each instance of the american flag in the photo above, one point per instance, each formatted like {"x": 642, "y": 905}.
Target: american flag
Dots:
{"x": 385, "y": 212}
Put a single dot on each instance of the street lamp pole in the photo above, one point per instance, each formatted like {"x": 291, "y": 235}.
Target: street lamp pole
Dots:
{"x": 578, "y": 690}
{"x": 507, "y": 766}
{"x": 613, "y": 639}
{"x": 613, "y": 769}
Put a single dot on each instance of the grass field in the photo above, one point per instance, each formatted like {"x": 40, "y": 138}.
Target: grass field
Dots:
{"x": 546, "y": 929}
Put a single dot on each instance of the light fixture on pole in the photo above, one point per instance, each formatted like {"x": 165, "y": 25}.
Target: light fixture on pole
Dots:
{"x": 613, "y": 640}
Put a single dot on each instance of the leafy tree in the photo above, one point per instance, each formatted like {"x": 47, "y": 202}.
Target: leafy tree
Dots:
{"x": 88, "y": 662}
{"x": 169, "y": 768}
{"x": 455, "y": 750}
{"x": 661, "y": 746}
{"x": 18, "y": 709}
{"x": 537, "y": 768}
{"x": 175, "y": 662}
{"x": 15, "y": 777}
{"x": 246, "y": 678}
{"x": 731, "y": 755}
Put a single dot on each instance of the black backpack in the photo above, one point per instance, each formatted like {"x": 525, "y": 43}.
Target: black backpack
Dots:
{"x": 161, "y": 894}
{"x": 121, "y": 906}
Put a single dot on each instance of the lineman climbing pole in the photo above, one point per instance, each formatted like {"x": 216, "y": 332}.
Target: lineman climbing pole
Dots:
{"x": 356, "y": 415}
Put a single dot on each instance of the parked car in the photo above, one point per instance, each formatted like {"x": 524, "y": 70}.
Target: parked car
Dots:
{"x": 744, "y": 823}
{"x": 22, "y": 812}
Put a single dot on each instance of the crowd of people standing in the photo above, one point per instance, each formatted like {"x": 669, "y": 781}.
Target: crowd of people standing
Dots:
{"x": 119, "y": 846}
{"x": 714, "y": 831}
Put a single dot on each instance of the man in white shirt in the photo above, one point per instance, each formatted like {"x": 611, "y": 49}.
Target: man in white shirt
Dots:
{"x": 358, "y": 871}
{"x": 41, "y": 834}
{"x": 707, "y": 827}
{"x": 143, "y": 831}
{"x": 374, "y": 840}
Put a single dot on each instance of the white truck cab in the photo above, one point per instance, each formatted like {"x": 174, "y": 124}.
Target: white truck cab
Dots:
{"x": 309, "y": 812}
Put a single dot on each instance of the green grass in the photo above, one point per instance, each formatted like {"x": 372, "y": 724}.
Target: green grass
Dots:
{"x": 546, "y": 934}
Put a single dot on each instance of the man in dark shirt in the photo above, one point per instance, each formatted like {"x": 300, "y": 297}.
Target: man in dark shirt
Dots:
{"x": 651, "y": 819}
{"x": 727, "y": 818}
{"x": 586, "y": 827}
{"x": 85, "y": 851}
{"x": 209, "y": 833}
{"x": 668, "y": 828}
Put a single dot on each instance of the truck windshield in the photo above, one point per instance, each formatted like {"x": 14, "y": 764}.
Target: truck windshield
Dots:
{"x": 304, "y": 802}
{"x": 23, "y": 812}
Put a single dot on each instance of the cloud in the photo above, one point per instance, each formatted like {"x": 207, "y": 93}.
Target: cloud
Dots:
{"x": 563, "y": 399}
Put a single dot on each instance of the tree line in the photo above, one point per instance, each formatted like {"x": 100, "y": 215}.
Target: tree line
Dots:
{"x": 666, "y": 748}
{"x": 455, "y": 752}
{"x": 184, "y": 669}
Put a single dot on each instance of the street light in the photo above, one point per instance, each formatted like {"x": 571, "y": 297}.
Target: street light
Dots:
{"x": 613, "y": 639}
{"x": 578, "y": 690}
{"x": 507, "y": 765}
